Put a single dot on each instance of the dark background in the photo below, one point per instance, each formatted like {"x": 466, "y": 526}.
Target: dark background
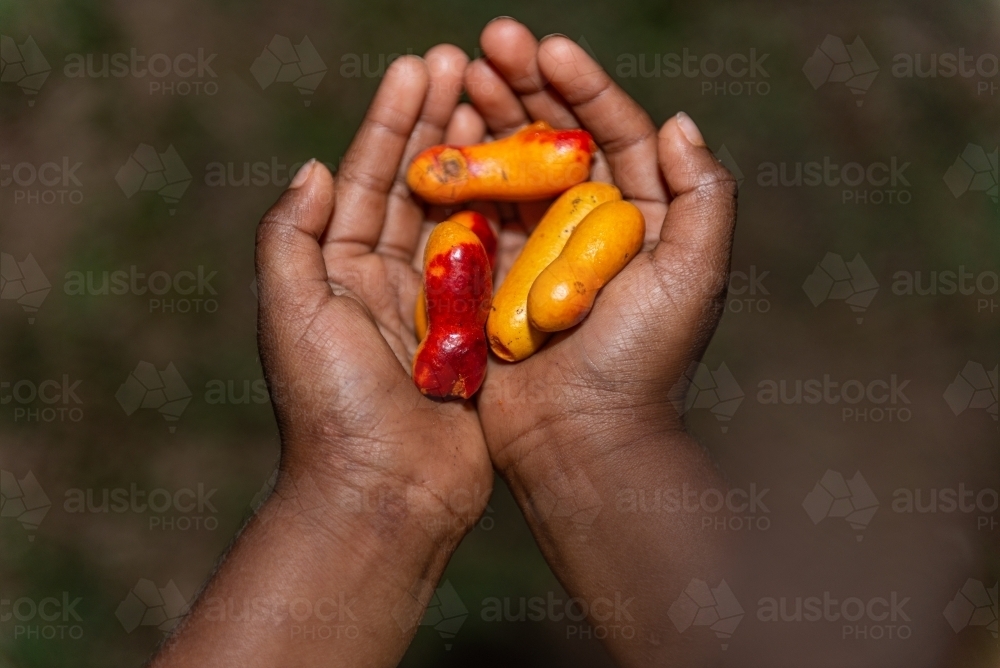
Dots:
{"x": 770, "y": 332}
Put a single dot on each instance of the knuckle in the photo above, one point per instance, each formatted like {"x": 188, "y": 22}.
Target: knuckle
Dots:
{"x": 276, "y": 227}
{"x": 718, "y": 182}
{"x": 355, "y": 177}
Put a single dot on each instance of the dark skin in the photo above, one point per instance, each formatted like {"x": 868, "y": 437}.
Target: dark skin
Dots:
{"x": 590, "y": 415}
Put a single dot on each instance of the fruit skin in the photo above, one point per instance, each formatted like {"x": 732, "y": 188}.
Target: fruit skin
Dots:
{"x": 510, "y": 333}
{"x": 451, "y": 361}
{"x": 600, "y": 247}
{"x": 478, "y": 223}
{"x": 535, "y": 162}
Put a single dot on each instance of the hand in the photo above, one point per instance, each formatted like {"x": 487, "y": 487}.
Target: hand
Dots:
{"x": 614, "y": 373}
{"x": 377, "y": 484}
{"x": 339, "y": 274}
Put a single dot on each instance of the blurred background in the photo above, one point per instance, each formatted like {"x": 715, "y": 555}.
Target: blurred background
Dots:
{"x": 141, "y": 141}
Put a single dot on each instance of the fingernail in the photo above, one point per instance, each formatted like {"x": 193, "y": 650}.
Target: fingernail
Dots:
{"x": 690, "y": 130}
{"x": 550, "y": 36}
{"x": 301, "y": 176}
{"x": 501, "y": 17}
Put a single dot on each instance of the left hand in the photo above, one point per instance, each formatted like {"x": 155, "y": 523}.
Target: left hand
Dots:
{"x": 614, "y": 372}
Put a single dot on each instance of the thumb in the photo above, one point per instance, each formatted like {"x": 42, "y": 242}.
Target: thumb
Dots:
{"x": 291, "y": 272}
{"x": 697, "y": 234}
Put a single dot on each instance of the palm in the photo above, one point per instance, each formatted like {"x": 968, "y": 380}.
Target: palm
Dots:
{"x": 592, "y": 368}
{"x": 385, "y": 286}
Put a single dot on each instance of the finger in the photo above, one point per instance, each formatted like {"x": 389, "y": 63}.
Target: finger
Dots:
{"x": 512, "y": 49}
{"x": 372, "y": 162}
{"x": 466, "y": 126}
{"x": 446, "y": 70}
{"x": 291, "y": 273}
{"x": 622, "y": 128}
{"x": 697, "y": 232}
{"x": 494, "y": 99}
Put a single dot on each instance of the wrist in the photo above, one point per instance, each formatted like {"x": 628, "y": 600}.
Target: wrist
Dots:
{"x": 566, "y": 477}
{"x": 333, "y": 492}
{"x": 374, "y": 512}
{"x": 580, "y": 438}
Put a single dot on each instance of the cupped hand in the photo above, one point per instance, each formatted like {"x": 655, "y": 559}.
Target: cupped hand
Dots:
{"x": 608, "y": 382}
{"x": 338, "y": 276}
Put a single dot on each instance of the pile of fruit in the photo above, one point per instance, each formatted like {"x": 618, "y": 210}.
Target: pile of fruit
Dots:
{"x": 584, "y": 239}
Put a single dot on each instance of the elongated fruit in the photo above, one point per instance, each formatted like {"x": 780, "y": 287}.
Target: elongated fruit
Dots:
{"x": 535, "y": 162}
{"x": 600, "y": 247}
{"x": 481, "y": 227}
{"x": 510, "y": 333}
{"x": 451, "y": 360}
